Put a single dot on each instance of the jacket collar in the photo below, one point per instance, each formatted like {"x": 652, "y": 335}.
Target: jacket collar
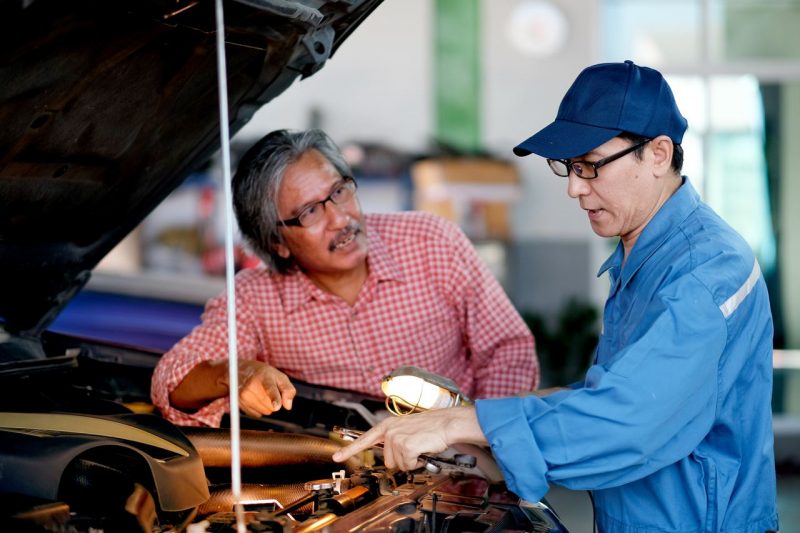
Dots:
{"x": 666, "y": 222}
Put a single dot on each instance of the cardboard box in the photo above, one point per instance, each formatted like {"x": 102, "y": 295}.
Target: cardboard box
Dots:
{"x": 474, "y": 193}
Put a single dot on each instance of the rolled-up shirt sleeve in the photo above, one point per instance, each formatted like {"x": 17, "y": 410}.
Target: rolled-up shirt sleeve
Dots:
{"x": 206, "y": 342}
{"x": 648, "y": 406}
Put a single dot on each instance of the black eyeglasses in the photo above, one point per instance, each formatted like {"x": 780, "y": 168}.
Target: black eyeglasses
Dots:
{"x": 342, "y": 192}
{"x": 587, "y": 169}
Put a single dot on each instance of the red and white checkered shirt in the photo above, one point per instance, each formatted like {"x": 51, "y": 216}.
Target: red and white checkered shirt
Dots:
{"x": 429, "y": 301}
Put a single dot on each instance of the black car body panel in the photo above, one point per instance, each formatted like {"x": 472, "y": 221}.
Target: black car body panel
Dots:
{"x": 48, "y": 443}
{"x": 107, "y": 106}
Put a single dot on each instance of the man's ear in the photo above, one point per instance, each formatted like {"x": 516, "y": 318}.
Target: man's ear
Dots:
{"x": 283, "y": 250}
{"x": 662, "y": 154}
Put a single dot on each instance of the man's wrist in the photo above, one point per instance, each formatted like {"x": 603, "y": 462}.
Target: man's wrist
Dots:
{"x": 220, "y": 376}
{"x": 464, "y": 427}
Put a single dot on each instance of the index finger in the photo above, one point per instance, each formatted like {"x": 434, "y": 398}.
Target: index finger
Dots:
{"x": 287, "y": 390}
{"x": 368, "y": 440}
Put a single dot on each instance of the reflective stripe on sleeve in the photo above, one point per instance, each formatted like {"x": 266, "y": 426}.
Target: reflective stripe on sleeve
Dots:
{"x": 738, "y": 297}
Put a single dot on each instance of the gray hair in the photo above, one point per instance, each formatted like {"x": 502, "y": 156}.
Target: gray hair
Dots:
{"x": 258, "y": 179}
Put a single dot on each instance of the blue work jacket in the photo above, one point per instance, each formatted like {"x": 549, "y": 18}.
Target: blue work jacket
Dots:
{"x": 672, "y": 428}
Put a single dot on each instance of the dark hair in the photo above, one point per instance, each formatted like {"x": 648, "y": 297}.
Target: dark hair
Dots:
{"x": 677, "y": 149}
{"x": 257, "y": 182}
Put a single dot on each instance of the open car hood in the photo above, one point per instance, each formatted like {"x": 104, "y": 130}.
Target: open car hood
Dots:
{"x": 106, "y": 106}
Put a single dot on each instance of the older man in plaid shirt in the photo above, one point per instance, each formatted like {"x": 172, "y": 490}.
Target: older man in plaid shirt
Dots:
{"x": 343, "y": 297}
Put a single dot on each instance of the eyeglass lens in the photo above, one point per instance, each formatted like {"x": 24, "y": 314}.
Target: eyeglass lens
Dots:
{"x": 588, "y": 169}
{"x": 342, "y": 194}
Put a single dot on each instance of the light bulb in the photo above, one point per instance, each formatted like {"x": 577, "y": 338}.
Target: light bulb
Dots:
{"x": 409, "y": 389}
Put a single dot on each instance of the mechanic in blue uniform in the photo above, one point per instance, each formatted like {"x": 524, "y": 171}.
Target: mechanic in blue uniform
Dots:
{"x": 671, "y": 428}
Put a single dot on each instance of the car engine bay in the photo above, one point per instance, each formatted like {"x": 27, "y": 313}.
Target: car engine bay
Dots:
{"x": 77, "y": 458}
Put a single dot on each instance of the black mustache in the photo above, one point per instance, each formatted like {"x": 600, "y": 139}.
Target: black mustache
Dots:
{"x": 351, "y": 229}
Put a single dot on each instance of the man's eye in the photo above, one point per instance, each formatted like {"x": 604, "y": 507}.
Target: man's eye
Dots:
{"x": 310, "y": 210}
{"x": 339, "y": 191}
{"x": 577, "y": 167}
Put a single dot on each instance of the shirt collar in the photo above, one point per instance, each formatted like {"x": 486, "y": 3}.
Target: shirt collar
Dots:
{"x": 382, "y": 265}
{"x": 298, "y": 289}
{"x": 665, "y": 222}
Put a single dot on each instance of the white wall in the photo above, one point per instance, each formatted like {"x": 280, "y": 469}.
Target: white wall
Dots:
{"x": 378, "y": 87}
{"x": 521, "y": 95}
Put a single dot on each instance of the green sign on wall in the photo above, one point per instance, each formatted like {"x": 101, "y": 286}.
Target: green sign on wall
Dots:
{"x": 457, "y": 74}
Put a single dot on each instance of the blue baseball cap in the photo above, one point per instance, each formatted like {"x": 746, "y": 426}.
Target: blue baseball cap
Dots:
{"x": 604, "y": 101}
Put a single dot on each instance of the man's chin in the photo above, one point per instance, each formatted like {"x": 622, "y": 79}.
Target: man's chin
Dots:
{"x": 602, "y": 231}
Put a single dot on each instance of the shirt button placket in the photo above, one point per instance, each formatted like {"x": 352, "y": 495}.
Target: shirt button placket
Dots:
{"x": 351, "y": 325}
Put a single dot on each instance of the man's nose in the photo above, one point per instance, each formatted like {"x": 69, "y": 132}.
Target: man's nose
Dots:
{"x": 577, "y": 186}
{"x": 337, "y": 214}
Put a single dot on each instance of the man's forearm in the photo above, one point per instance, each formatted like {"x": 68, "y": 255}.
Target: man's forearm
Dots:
{"x": 204, "y": 383}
